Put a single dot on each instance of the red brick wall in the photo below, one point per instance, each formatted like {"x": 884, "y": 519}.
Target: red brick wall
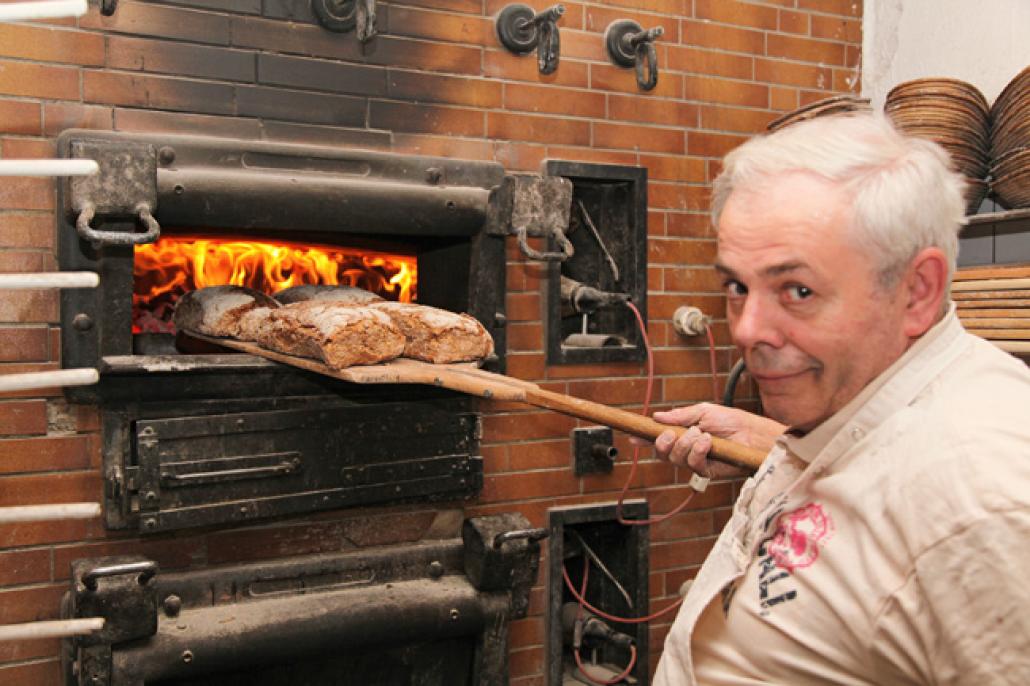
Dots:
{"x": 435, "y": 82}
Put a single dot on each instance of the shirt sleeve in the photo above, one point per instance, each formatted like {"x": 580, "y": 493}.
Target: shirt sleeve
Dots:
{"x": 963, "y": 616}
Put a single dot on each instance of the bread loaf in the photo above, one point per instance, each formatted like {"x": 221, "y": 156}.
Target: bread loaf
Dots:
{"x": 436, "y": 335}
{"x": 340, "y": 335}
{"x": 217, "y": 310}
{"x": 345, "y": 294}
{"x": 252, "y": 322}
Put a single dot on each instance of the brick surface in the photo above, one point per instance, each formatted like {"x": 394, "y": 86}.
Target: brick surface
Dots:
{"x": 48, "y": 44}
{"x": 793, "y": 74}
{"x": 545, "y": 99}
{"x": 176, "y": 122}
{"x": 38, "y": 80}
{"x": 737, "y": 119}
{"x": 32, "y": 674}
{"x": 652, "y": 139}
{"x": 711, "y": 62}
{"x": 26, "y": 230}
{"x": 666, "y": 112}
{"x": 22, "y": 417}
{"x": 455, "y": 28}
{"x": 26, "y": 148}
{"x": 163, "y": 57}
{"x": 850, "y": 8}
{"x": 805, "y": 49}
{"x": 24, "y": 344}
{"x": 502, "y": 64}
{"x": 422, "y": 87}
{"x": 24, "y": 567}
{"x": 425, "y": 118}
{"x": 836, "y": 28}
{"x": 540, "y": 129}
{"x": 53, "y": 453}
{"x": 20, "y": 117}
{"x": 321, "y": 75}
{"x": 147, "y": 19}
{"x": 794, "y": 22}
{"x": 58, "y": 487}
{"x": 730, "y": 38}
{"x": 725, "y": 91}
{"x": 39, "y": 603}
{"x": 737, "y": 13}
{"x": 674, "y": 168}
{"x": 137, "y": 90}
{"x": 300, "y": 106}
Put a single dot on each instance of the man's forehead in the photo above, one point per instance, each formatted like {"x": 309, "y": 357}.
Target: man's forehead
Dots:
{"x": 788, "y": 265}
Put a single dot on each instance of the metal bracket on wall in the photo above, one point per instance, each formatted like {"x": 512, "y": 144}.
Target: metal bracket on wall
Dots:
{"x": 528, "y": 205}
{"x": 593, "y": 452}
{"x": 124, "y": 190}
{"x": 629, "y": 45}
{"x": 342, "y": 16}
{"x": 520, "y": 29}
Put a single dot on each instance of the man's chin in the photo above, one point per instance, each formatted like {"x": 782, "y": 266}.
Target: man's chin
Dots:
{"x": 783, "y": 410}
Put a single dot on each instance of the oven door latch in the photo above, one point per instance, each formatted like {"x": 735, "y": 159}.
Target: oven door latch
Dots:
{"x": 123, "y": 192}
{"x": 120, "y": 589}
{"x": 527, "y": 205}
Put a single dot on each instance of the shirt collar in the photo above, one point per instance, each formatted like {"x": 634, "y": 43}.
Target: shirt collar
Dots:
{"x": 894, "y": 388}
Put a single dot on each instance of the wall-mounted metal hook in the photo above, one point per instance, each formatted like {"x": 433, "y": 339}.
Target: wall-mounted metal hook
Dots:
{"x": 629, "y": 45}
{"x": 343, "y": 15}
{"x": 107, "y": 7}
{"x": 520, "y": 29}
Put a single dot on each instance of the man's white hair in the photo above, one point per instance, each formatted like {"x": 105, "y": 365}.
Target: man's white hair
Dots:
{"x": 905, "y": 195}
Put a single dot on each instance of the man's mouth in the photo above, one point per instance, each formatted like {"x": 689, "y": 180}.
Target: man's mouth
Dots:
{"x": 772, "y": 377}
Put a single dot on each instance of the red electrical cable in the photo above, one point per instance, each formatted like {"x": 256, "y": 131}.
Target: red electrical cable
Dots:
{"x": 636, "y": 450}
{"x": 601, "y": 613}
{"x": 579, "y": 616}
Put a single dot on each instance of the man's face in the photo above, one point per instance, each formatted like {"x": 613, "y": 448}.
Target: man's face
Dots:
{"x": 804, "y": 303}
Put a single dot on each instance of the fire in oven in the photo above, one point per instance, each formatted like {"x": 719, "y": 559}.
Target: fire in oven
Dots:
{"x": 197, "y": 436}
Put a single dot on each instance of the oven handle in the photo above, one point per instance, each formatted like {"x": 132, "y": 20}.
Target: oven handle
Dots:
{"x": 146, "y": 570}
{"x": 289, "y": 465}
{"x": 102, "y": 238}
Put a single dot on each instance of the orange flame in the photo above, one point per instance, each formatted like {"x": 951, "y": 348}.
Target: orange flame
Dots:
{"x": 166, "y": 269}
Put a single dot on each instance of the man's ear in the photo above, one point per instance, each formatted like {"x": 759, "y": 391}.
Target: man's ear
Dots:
{"x": 926, "y": 283}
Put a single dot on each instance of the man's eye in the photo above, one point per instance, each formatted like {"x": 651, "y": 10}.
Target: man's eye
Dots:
{"x": 798, "y": 292}
{"x": 734, "y": 288}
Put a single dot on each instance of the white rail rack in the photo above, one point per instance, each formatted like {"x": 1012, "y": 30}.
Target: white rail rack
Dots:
{"x": 30, "y": 11}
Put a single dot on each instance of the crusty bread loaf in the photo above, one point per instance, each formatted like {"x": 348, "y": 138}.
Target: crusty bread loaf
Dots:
{"x": 436, "y": 335}
{"x": 345, "y": 294}
{"x": 216, "y": 310}
{"x": 341, "y": 335}
{"x": 252, "y": 322}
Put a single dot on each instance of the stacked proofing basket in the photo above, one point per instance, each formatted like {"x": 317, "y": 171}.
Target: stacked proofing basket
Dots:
{"x": 1010, "y": 143}
{"x": 953, "y": 114}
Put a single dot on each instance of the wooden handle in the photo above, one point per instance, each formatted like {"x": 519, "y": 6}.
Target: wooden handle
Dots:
{"x": 638, "y": 425}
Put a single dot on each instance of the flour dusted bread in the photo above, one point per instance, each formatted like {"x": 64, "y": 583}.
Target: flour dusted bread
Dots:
{"x": 350, "y": 295}
{"x": 340, "y": 335}
{"x": 436, "y": 335}
{"x": 217, "y": 310}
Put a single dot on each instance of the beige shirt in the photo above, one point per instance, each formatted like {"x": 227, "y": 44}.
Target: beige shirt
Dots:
{"x": 891, "y": 545}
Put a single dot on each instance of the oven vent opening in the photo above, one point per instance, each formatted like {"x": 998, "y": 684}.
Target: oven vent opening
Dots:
{"x": 165, "y": 270}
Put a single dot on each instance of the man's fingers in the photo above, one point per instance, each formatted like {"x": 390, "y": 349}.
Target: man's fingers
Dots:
{"x": 698, "y": 457}
{"x": 683, "y": 416}
{"x": 681, "y": 449}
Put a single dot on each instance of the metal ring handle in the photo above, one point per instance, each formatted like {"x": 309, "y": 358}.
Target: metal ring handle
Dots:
{"x": 146, "y": 570}
{"x": 565, "y": 247}
{"x": 548, "y": 47}
{"x": 102, "y": 238}
{"x": 646, "y": 62}
{"x": 528, "y": 534}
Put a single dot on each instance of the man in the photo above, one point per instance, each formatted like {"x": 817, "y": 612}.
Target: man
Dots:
{"x": 886, "y": 537}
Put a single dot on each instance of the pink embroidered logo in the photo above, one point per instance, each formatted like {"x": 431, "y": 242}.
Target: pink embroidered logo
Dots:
{"x": 795, "y": 544}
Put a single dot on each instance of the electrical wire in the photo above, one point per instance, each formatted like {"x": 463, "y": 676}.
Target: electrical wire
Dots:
{"x": 604, "y": 615}
{"x": 636, "y": 449}
{"x": 579, "y": 616}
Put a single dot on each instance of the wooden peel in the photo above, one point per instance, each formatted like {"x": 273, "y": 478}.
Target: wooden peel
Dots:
{"x": 467, "y": 378}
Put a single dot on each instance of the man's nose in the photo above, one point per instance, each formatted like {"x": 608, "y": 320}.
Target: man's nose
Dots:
{"x": 754, "y": 322}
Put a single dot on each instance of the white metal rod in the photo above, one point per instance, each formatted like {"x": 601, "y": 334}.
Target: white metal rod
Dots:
{"x": 46, "y": 513}
{"x": 48, "y": 167}
{"x": 48, "y": 9}
{"x": 60, "y": 377}
{"x": 52, "y": 629}
{"x": 50, "y": 280}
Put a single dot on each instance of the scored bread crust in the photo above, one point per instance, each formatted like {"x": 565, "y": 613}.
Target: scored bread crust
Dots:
{"x": 340, "y": 335}
{"x": 436, "y": 335}
{"x": 252, "y": 322}
{"x": 346, "y": 294}
{"x": 217, "y": 310}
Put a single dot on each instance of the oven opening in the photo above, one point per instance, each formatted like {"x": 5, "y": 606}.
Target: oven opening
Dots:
{"x": 177, "y": 263}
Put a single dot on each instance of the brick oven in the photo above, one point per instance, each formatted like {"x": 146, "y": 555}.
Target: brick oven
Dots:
{"x": 234, "y": 102}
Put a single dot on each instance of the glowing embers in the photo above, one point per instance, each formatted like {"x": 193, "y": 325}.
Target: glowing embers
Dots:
{"x": 165, "y": 270}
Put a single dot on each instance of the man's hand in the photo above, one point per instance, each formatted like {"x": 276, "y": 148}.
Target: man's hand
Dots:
{"x": 706, "y": 420}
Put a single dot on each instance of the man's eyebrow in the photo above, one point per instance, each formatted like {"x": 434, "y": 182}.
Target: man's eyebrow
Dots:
{"x": 774, "y": 270}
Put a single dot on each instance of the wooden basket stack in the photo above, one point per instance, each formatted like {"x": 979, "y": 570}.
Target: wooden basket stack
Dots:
{"x": 953, "y": 114}
{"x": 994, "y": 303}
{"x": 1010, "y": 143}
{"x": 821, "y": 108}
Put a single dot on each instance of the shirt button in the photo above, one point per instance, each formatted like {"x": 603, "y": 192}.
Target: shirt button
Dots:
{"x": 857, "y": 433}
